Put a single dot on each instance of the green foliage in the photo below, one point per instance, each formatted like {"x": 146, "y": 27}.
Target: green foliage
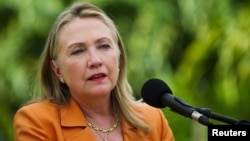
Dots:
{"x": 200, "y": 48}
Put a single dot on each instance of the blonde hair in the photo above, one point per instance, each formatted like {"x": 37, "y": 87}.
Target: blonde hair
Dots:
{"x": 52, "y": 89}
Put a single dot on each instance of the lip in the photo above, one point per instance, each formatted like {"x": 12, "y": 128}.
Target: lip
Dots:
{"x": 97, "y": 77}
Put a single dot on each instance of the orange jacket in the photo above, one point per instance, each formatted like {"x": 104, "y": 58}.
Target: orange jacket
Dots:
{"x": 46, "y": 121}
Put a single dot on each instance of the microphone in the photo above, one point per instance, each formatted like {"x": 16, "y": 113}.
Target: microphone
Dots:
{"x": 156, "y": 93}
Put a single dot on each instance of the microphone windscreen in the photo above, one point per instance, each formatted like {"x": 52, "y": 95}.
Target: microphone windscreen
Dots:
{"x": 152, "y": 91}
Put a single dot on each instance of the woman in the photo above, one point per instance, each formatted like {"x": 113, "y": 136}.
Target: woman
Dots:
{"x": 84, "y": 90}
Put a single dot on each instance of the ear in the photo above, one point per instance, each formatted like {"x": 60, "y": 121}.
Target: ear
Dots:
{"x": 54, "y": 66}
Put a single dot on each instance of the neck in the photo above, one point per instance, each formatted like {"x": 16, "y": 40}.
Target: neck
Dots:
{"x": 95, "y": 105}
{"x": 97, "y": 108}
{"x": 98, "y": 111}
{"x": 101, "y": 120}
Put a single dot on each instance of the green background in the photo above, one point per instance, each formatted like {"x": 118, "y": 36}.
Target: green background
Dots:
{"x": 200, "y": 48}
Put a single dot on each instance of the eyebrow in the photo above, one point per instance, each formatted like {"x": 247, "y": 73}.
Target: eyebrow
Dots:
{"x": 76, "y": 44}
{"x": 103, "y": 39}
{"x": 82, "y": 44}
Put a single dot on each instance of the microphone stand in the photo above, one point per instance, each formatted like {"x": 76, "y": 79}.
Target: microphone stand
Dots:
{"x": 208, "y": 113}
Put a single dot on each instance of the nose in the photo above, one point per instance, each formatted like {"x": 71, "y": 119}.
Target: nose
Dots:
{"x": 95, "y": 59}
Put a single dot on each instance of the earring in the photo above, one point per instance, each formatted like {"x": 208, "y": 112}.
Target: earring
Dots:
{"x": 62, "y": 80}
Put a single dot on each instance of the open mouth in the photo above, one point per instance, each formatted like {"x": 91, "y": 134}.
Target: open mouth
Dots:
{"x": 97, "y": 76}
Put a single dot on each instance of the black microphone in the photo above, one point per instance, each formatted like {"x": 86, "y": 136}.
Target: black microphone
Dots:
{"x": 156, "y": 93}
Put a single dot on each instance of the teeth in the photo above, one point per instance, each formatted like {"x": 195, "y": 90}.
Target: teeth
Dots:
{"x": 97, "y": 76}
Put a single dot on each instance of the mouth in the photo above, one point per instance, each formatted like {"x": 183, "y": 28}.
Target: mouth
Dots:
{"x": 97, "y": 76}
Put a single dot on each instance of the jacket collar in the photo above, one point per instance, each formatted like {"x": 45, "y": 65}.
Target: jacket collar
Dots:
{"x": 72, "y": 116}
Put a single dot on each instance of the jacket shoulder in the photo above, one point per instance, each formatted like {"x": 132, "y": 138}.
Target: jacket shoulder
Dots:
{"x": 41, "y": 107}
{"x": 36, "y": 121}
{"x": 148, "y": 110}
{"x": 157, "y": 122}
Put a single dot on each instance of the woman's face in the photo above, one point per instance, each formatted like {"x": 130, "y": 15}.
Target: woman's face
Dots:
{"x": 88, "y": 58}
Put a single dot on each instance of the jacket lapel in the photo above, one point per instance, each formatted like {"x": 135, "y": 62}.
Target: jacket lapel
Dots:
{"x": 72, "y": 116}
{"x": 73, "y": 123}
{"x": 74, "y": 126}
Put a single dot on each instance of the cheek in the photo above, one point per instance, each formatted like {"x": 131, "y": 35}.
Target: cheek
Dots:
{"x": 117, "y": 59}
{"x": 114, "y": 65}
{"x": 73, "y": 70}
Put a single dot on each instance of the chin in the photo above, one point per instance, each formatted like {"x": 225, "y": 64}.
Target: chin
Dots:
{"x": 102, "y": 92}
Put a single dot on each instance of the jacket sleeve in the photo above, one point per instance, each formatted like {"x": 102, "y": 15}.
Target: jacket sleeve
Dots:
{"x": 27, "y": 126}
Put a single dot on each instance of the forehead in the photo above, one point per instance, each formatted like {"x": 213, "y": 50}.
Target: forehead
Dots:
{"x": 83, "y": 29}
{"x": 87, "y": 24}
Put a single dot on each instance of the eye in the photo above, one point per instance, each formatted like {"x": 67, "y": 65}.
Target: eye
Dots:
{"x": 104, "y": 46}
{"x": 77, "y": 51}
